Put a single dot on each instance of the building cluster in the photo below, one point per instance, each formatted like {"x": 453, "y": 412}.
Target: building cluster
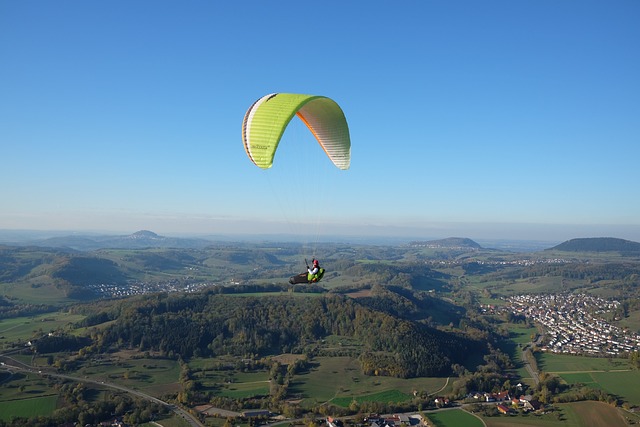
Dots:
{"x": 521, "y": 403}
{"x": 507, "y": 404}
{"x": 110, "y": 290}
{"x": 502, "y": 262}
{"x": 395, "y": 420}
{"x": 574, "y": 324}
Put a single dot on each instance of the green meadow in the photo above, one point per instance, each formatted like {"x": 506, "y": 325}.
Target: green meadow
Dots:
{"x": 330, "y": 379}
{"x": 388, "y": 396}
{"x": 614, "y": 376}
{"x": 234, "y": 384}
{"x": 45, "y": 293}
{"x": 623, "y": 384}
{"x": 454, "y": 418}
{"x": 24, "y": 328}
{"x": 245, "y": 390}
{"x": 340, "y": 381}
{"x": 561, "y": 363}
{"x": 579, "y": 378}
{"x": 154, "y": 376}
{"x": 25, "y": 387}
{"x": 28, "y": 407}
{"x": 519, "y": 336}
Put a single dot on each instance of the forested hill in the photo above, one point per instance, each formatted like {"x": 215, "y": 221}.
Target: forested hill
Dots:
{"x": 599, "y": 244}
{"x": 210, "y": 324}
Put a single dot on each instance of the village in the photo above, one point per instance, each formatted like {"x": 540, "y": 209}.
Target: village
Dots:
{"x": 574, "y": 324}
{"x": 114, "y": 290}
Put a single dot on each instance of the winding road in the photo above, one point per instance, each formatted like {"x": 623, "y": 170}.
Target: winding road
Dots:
{"x": 11, "y": 365}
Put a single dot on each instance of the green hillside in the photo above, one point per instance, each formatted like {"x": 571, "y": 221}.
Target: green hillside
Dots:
{"x": 210, "y": 324}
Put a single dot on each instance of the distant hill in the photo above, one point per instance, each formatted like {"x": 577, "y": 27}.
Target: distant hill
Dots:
{"x": 138, "y": 240}
{"x": 81, "y": 275}
{"x": 449, "y": 243}
{"x": 599, "y": 244}
{"x": 81, "y": 271}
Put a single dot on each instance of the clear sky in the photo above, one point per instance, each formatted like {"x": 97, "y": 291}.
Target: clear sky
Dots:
{"x": 506, "y": 119}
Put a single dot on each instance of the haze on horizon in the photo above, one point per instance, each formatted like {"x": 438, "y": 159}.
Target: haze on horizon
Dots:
{"x": 499, "y": 120}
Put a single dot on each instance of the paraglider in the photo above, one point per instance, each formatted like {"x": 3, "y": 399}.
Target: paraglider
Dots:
{"x": 312, "y": 275}
{"x": 268, "y": 117}
{"x": 265, "y": 123}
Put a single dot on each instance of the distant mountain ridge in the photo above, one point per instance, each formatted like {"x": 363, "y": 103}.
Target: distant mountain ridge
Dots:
{"x": 139, "y": 240}
{"x": 448, "y": 243}
{"x": 598, "y": 244}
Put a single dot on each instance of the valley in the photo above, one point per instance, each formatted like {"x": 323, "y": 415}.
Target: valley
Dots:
{"x": 389, "y": 329}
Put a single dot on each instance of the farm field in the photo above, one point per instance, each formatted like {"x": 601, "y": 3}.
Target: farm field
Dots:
{"x": 245, "y": 390}
{"x": 611, "y": 375}
{"x": 340, "y": 378}
{"x": 29, "y": 407}
{"x": 24, "y": 328}
{"x": 43, "y": 294}
{"x": 595, "y": 414}
{"x": 153, "y": 376}
{"x": 453, "y": 418}
{"x": 562, "y": 363}
{"x": 236, "y": 385}
{"x": 393, "y": 396}
{"x": 521, "y": 335}
{"x": 623, "y": 384}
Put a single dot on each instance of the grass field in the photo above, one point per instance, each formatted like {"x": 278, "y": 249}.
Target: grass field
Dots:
{"x": 579, "y": 378}
{"x": 154, "y": 376}
{"x": 23, "y": 385}
{"x": 29, "y": 407}
{"x": 245, "y": 390}
{"x": 24, "y": 292}
{"x": 519, "y": 336}
{"x": 238, "y": 385}
{"x": 388, "y": 396}
{"x": 594, "y": 414}
{"x": 453, "y": 418}
{"x": 330, "y": 379}
{"x": 25, "y": 328}
{"x": 623, "y": 384}
{"x": 340, "y": 377}
{"x": 561, "y": 363}
{"x": 611, "y": 375}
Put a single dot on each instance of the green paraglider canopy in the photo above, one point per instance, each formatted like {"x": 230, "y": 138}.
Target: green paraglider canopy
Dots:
{"x": 268, "y": 117}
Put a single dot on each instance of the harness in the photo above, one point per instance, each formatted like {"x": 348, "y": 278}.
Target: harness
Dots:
{"x": 312, "y": 278}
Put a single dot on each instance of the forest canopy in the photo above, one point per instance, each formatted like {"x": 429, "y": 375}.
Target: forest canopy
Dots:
{"x": 210, "y": 324}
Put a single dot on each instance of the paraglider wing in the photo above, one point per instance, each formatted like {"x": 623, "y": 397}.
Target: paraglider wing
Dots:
{"x": 268, "y": 117}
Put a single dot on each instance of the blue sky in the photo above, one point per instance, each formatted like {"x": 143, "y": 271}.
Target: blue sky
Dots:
{"x": 481, "y": 119}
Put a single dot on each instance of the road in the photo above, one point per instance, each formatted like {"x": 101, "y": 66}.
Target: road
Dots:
{"x": 527, "y": 365}
{"x": 12, "y": 365}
